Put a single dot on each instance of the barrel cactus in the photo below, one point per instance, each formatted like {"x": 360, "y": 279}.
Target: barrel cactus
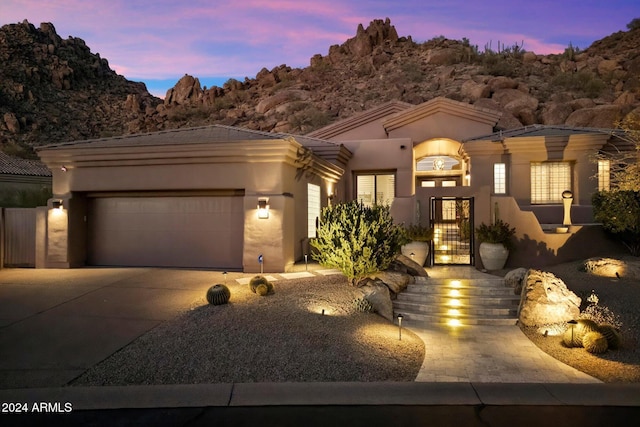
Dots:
{"x": 218, "y": 294}
{"x": 594, "y": 342}
{"x": 571, "y": 338}
{"x": 262, "y": 289}
{"x": 574, "y": 334}
{"x": 361, "y": 304}
{"x": 613, "y": 336}
{"x": 257, "y": 280}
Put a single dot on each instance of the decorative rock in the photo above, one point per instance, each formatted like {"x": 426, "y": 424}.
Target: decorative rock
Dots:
{"x": 218, "y": 294}
{"x": 515, "y": 279}
{"x": 396, "y": 281}
{"x": 611, "y": 267}
{"x": 546, "y": 300}
{"x": 377, "y": 293}
{"x": 407, "y": 265}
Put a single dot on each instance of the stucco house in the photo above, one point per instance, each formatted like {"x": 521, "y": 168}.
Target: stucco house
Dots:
{"x": 230, "y": 198}
{"x": 209, "y": 197}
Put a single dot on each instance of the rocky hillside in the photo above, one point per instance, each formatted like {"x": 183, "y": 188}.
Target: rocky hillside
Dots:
{"x": 54, "y": 90}
{"x": 58, "y": 90}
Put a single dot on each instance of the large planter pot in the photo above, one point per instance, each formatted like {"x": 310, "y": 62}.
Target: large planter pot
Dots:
{"x": 420, "y": 251}
{"x": 493, "y": 255}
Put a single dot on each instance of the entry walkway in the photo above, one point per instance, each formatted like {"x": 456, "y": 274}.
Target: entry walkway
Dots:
{"x": 487, "y": 354}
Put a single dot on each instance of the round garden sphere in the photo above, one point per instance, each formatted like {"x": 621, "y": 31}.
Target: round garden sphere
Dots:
{"x": 218, "y": 294}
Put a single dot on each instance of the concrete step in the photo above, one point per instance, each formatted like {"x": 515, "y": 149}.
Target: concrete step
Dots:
{"x": 422, "y": 320}
{"x": 486, "y": 280}
{"x": 475, "y": 299}
{"x": 464, "y": 300}
{"x": 444, "y": 310}
{"x": 459, "y": 291}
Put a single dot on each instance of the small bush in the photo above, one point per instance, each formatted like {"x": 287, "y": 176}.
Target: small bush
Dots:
{"x": 602, "y": 315}
{"x": 619, "y": 213}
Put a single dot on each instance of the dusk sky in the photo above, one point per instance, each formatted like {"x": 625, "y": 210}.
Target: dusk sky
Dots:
{"x": 158, "y": 41}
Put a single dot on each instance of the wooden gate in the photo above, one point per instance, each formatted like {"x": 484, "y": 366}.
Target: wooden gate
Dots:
{"x": 19, "y": 237}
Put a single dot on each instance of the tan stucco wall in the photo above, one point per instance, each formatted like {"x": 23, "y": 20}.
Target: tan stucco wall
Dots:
{"x": 536, "y": 248}
{"x": 268, "y": 171}
{"x": 441, "y": 125}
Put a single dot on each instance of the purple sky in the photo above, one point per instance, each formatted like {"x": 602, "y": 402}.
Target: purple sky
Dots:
{"x": 158, "y": 41}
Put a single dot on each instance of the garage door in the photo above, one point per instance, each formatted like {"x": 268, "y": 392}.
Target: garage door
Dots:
{"x": 201, "y": 232}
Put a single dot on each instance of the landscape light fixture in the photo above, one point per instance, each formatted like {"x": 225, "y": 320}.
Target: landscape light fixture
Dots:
{"x": 263, "y": 208}
{"x": 306, "y": 262}
{"x": 57, "y": 204}
{"x": 224, "y": 274}
{"x": 63, "y": 168}
{"x": 572, "y": 323}
{"x": 400, "y": 327}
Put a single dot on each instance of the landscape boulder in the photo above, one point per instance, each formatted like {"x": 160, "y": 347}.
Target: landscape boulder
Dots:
{"x": 378, "y": 295}
{"x": 546, "y": 300}
{"x": 407, "y": 265}
{"x": 515, "y": 279}
{"x": 396, "y": 281}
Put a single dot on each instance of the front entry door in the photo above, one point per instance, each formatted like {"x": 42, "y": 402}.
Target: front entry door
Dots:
{"x": 452, "y": 223}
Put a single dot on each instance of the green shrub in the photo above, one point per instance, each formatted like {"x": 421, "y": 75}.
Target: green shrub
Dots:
{"x": 356, "y": 239}
{"x": 418, "y": 233}
{"x": 594, "y": 342}
{"x": 619, "y": 213}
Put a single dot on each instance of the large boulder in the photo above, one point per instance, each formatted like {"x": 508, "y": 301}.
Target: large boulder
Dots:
{"x": 600, "y": 116}
{"x": 546, "y": 300}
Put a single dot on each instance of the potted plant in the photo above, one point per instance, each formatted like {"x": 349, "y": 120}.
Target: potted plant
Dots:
{"x": 416, "y": 242}
{"x": 495, "y": 242}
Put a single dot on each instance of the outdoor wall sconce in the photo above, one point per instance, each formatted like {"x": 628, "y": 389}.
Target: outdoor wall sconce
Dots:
{"x": 57, "y": 204}
{"x": 263, "y": 208}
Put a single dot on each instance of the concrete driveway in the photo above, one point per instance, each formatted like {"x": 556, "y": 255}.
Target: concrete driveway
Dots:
{"x": 55, "y": 324}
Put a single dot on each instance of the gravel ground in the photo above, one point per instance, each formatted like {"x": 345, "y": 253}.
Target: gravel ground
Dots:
{"x": 278, "y": 338}
{"x": 622, "y": 297}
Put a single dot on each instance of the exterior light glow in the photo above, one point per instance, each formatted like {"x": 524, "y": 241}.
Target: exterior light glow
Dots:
{"x": 263, "y": 208}
{"x": 454, "y": 293}
{"x": 57, "y": 204}
{"x": 455, "y": 284}
{"x": 455, "y": 302}
{"x": 453, "y": 312}
{"x": 454, "y": 322}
